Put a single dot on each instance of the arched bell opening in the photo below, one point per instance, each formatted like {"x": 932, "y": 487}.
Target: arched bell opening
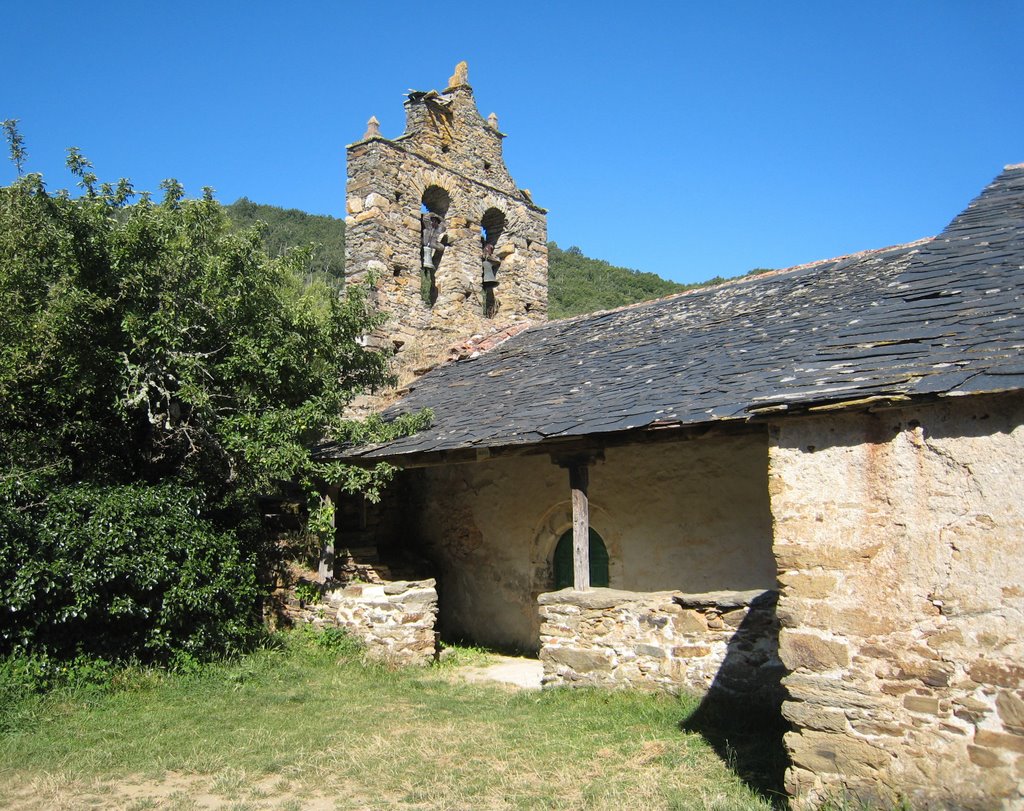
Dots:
{"x": 492, "y": 224}
{"x": 433, "y": 238}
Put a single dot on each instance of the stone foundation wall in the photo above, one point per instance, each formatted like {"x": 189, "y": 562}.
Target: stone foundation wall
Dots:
{"x": 899, "y": 538}
{"x": 666, "y": 640}
{"x": 394, "y": 620}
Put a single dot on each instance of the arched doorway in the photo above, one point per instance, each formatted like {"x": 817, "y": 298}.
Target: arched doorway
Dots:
{"x": 562, "y": 563}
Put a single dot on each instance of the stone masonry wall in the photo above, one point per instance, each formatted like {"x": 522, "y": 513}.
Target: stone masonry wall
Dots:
{"x": 666, "y": 640}
{"x": 899, "y": 538}
{"x": 448, "y": 146}
{"x": 394, "y": 620}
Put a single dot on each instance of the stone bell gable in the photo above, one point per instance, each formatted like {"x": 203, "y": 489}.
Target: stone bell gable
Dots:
{"x": 453, "y": 247}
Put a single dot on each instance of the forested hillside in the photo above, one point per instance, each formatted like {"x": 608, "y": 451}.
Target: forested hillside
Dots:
{"x": 577, "y": 283}
{"x": 288, "y": 227}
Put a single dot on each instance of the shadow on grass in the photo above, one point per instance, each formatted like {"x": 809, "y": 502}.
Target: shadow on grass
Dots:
{"x": 740, "y": 717}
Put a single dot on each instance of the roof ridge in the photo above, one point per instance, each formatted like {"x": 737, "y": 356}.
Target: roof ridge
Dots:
{"x": 767, "y": 274}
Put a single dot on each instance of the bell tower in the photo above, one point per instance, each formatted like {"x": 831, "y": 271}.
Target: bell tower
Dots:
{"x": 453, "y": 247}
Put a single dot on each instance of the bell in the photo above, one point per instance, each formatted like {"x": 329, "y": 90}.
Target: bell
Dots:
{"x": 490, "y": 272}
{"x": 428, "y": 258}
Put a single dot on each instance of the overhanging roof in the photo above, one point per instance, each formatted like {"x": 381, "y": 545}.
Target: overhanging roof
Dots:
{"x": 936, "y": 317}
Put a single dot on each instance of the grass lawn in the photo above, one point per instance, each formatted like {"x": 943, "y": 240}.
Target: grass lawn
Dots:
{"x": 304, "y": 726}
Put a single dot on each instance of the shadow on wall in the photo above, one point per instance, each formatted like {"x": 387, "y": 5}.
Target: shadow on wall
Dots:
{"x": 741, "y": 714}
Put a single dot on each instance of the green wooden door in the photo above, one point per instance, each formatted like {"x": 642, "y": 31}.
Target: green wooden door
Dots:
{"x": 563, "y": 561}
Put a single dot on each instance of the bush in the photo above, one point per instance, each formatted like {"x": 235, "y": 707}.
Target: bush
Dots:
{"x": 119, "y": 572}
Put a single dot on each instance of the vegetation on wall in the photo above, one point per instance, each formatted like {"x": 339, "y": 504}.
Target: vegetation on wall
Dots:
{"x": 158, "y": 372}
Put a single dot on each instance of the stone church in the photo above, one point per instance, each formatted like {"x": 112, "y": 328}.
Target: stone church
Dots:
{"x": 802, "y": 490}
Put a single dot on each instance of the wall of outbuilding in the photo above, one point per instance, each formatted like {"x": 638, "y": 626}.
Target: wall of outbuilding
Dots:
{"x": 675, "y": 516}
{"x": 899, "y": 537}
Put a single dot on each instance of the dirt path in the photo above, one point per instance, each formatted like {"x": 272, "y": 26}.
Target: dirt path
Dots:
{"x": 512, "y": 670}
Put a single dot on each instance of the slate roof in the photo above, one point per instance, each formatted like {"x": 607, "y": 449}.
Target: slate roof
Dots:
{"x": 936, "y": 317}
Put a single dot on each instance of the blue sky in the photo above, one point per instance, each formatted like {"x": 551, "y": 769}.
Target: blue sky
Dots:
{"x": 691, "y": 140}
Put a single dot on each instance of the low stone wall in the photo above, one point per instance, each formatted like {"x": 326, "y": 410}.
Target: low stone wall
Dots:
{"x": 666, "y": 640}
{"x": 394, "y": 620}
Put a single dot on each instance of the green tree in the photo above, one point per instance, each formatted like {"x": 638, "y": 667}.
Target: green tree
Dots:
{"x": 158, "y": 371}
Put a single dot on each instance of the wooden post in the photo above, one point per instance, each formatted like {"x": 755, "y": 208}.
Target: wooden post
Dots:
{"x": 578, "y": 479}
{"x": 326, "y": 568}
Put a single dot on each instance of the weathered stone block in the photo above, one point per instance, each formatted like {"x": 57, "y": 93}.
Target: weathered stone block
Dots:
{"x": 986, "y": 758}
{"x": 805, "y": 650}
{"x": 577, "y": 659}
{"x": 834, "y": 693}
{"x": 734, "y": 619}
{"x": 934, "y": 674}
{"x": 924, "y": 704}
{"x": 654, "y": 620}
{"x": 999, "y": 740}
{"x": 944, "y": 640}
{"x": 835, "y": 753}
{"x": 998, "y": 673}
{"x": 1011, "y": 711}
{"x": 812, "y": 586}
{"x": 690, "y": 621}
{"x": 415, "y": 598}
{"x": 720, "y": 600}
{"x": 876, "y": 727}
{"x": 691, "y": 651}
{"x": 813, "y": 716}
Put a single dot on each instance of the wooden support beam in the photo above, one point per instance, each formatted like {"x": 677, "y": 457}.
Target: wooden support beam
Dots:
{"x": 579, "y": 478}
{"x": 325, "y": 570}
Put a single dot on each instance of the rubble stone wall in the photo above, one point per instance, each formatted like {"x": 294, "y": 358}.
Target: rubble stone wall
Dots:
{"x": 395, "y": 621}
{"x": 662, "y": 640}
{"x": 447, "y": 145}
{"x": 899, "y": 538}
